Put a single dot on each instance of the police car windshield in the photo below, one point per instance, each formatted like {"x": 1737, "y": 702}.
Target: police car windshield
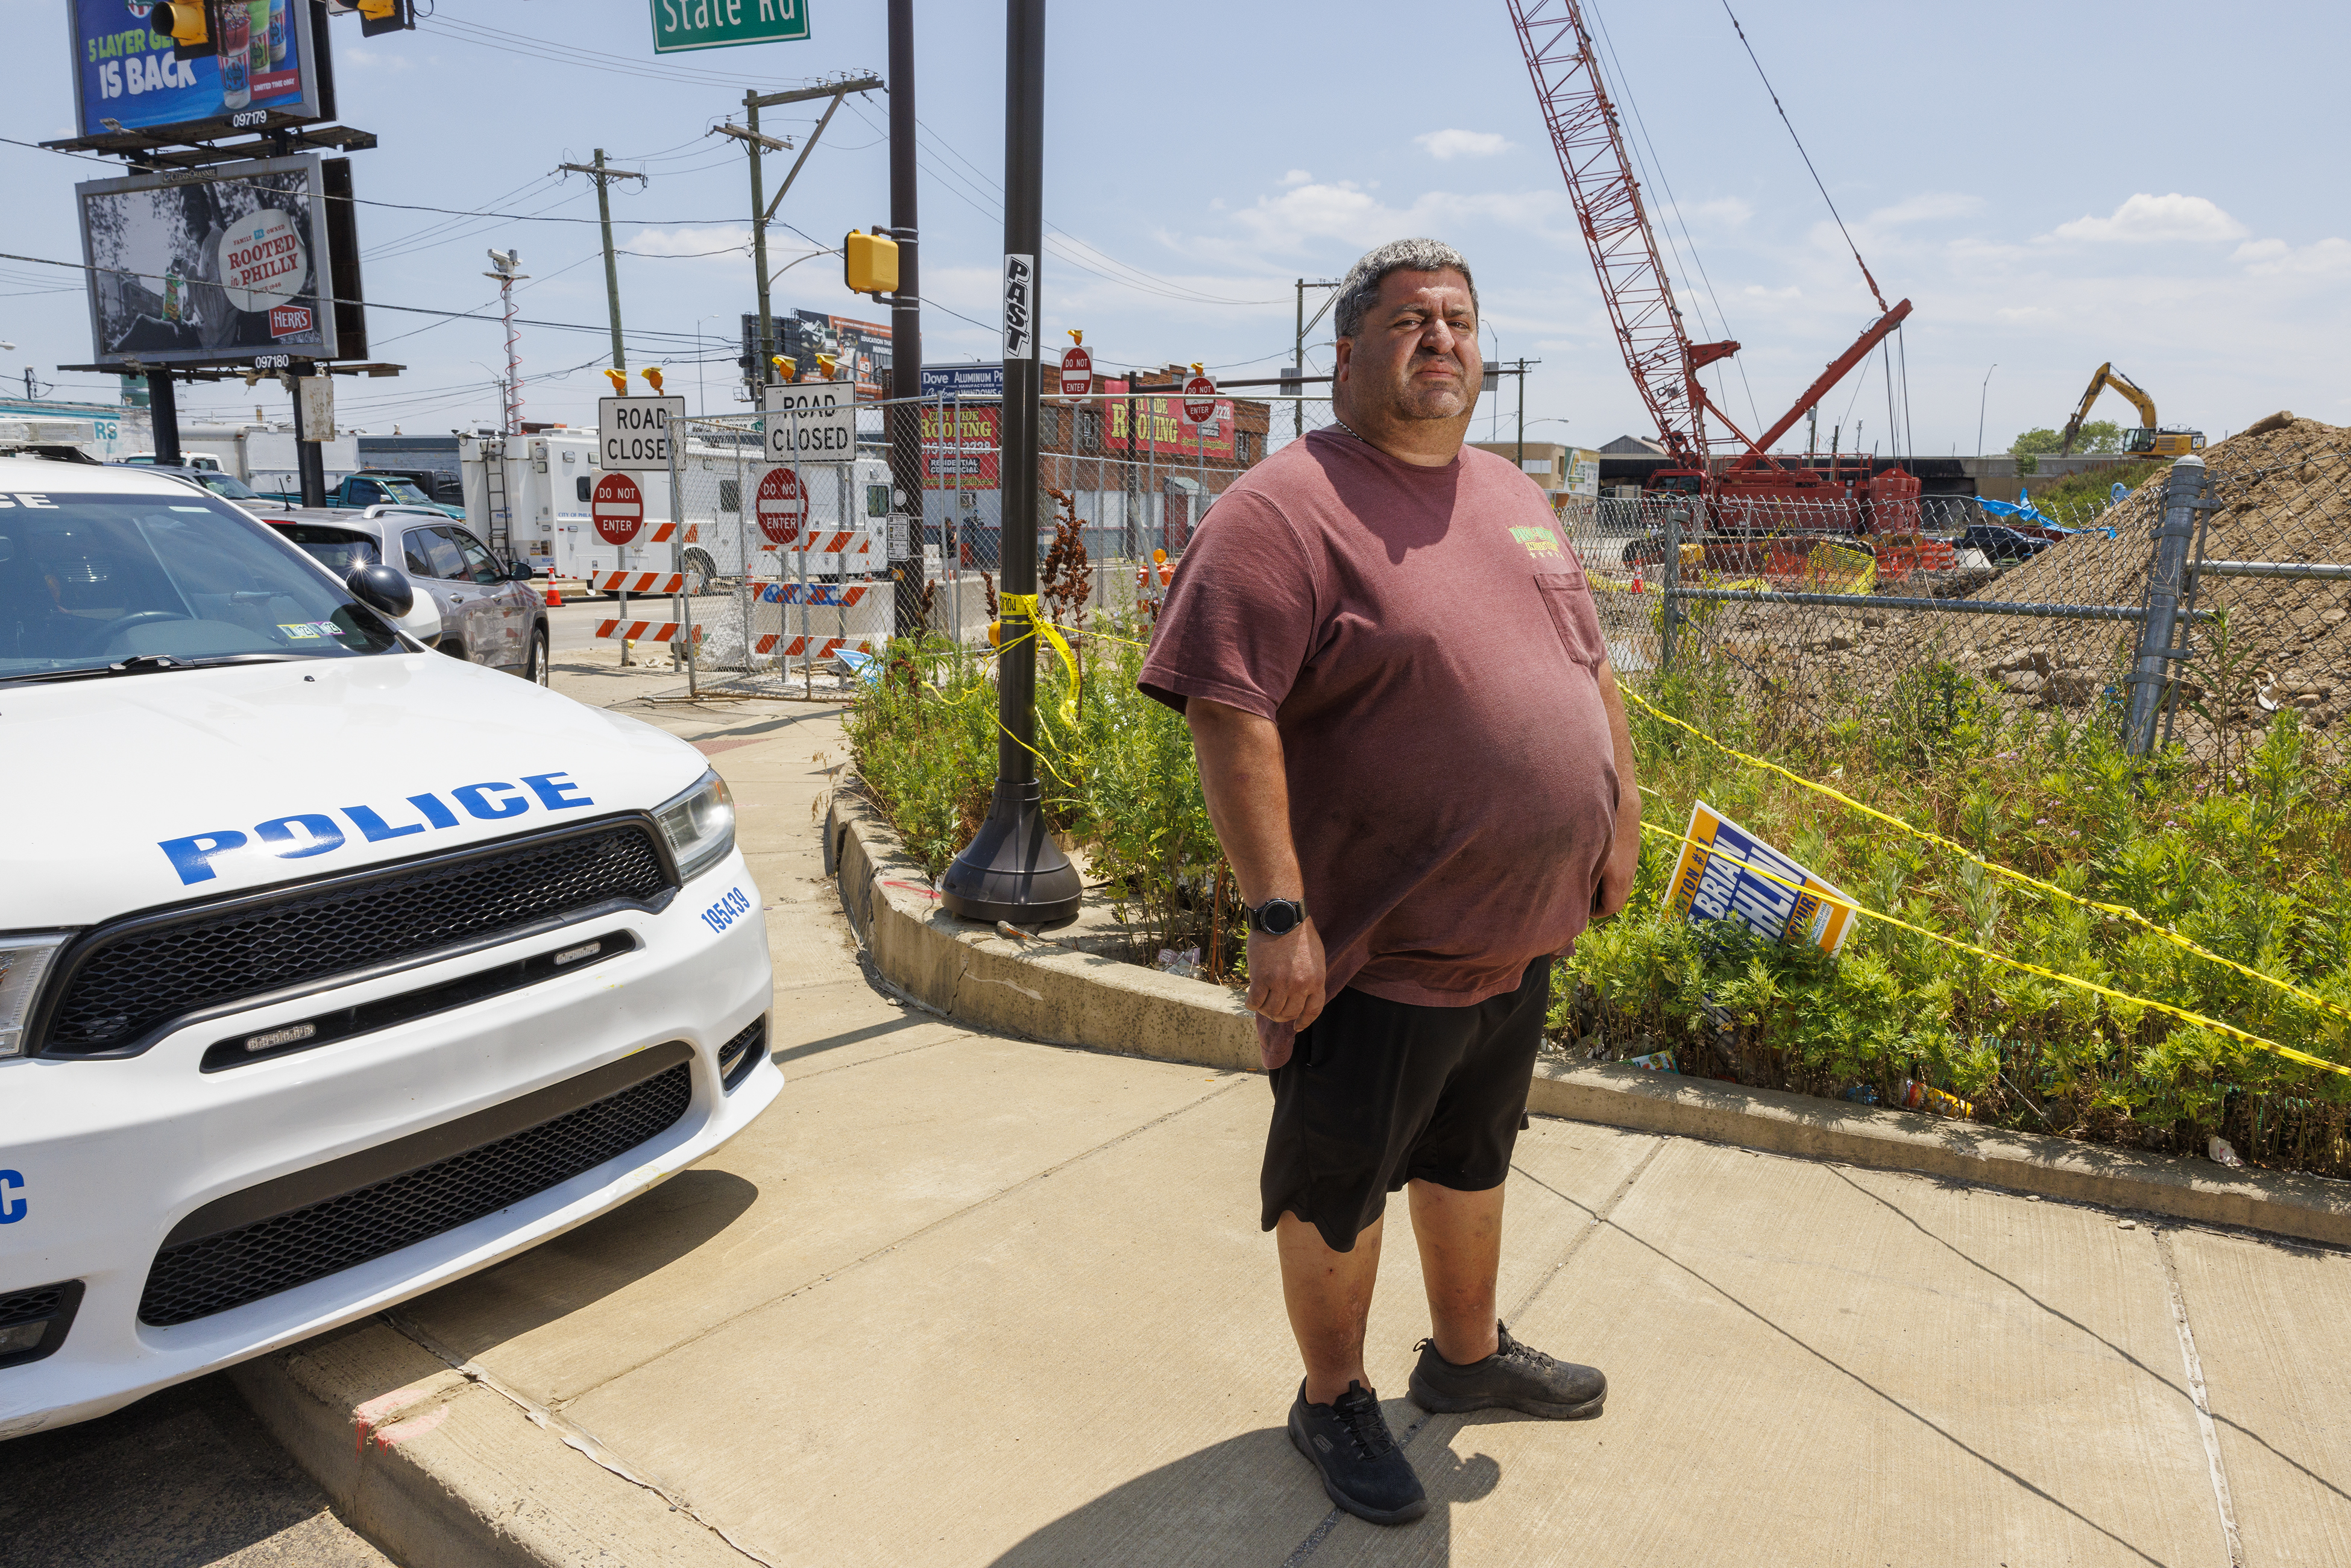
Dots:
{"x": 89, "y": 581}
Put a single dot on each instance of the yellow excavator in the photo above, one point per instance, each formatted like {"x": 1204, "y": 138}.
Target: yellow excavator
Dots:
{"x": 2148, "y": 437}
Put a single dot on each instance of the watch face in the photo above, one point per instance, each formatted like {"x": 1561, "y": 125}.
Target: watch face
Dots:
{"x": 1278, "y": 917}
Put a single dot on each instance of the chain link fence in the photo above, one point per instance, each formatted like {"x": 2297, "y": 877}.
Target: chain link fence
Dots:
{"x": 1804, "y": 624}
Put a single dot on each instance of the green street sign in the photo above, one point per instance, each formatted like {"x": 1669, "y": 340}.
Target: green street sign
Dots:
{"x": 682, "y": 24}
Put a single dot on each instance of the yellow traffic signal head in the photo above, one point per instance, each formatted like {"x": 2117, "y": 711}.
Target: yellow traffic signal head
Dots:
{"x": 378, "y": 9}
{"x": 869, "y": 263}
{"x": 619, "y": 380}
{"x": 184, "y": 20}
{"x": 652, "y": 377}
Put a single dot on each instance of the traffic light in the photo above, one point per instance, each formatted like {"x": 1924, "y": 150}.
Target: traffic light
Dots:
{"x": 869, "y": 263}
{"x": 182, "y": 21}
{"x": 384, "y": 17}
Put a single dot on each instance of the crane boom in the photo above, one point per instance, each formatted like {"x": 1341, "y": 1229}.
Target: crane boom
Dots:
{"x": 1590, "y": 146}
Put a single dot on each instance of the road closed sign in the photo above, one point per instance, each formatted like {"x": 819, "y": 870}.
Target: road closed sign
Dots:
{"x": 1077, "y": 372}
{"x": 1200, "y": 399}
{"x": 634, "y": 433}
{"x": 618, "y": 508}
{"x": 815, "y": 421}
{"x": 783, "y": 506}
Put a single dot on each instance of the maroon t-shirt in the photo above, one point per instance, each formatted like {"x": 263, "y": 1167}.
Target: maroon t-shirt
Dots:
{"x": 1425, "y": 641}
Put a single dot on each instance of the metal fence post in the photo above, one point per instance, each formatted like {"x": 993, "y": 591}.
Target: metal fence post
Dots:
{"x": 1670, "y": 588}
{"x": 2165, "y": 568}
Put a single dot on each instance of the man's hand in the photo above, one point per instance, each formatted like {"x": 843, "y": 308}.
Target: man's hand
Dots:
{"x": 1286, "y": 976}
{"x": 1616, "y": 871}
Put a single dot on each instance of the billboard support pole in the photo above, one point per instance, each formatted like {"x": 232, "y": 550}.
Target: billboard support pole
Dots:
{"x": 1012, "y": 870}
{"x": 163, "y": 414}
{"x": 309, "y": 458}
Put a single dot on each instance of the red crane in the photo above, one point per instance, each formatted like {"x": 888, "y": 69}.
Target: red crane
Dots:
{"x": 1752, "y": 490}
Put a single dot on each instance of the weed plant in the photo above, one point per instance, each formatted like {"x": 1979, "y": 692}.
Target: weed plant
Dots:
{"x": 2248, "y": 860}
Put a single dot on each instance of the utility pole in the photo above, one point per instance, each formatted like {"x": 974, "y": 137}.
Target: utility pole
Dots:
{"x": 906, "y": 324}
{"x": 604, "y": 178}
{"x": 763, "y": 207}
{"x": 1012, "y": 870}
{"x": 1298, "y": 350}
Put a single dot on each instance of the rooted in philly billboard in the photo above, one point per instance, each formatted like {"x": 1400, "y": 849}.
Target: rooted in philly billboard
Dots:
{"x": 221, "y": 265}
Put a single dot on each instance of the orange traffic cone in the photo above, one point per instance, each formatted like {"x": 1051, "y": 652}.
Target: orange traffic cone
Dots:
{"x": 554, "y": 596}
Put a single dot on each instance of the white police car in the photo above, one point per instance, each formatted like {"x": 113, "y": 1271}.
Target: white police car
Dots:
{"x": 330, "y": 968}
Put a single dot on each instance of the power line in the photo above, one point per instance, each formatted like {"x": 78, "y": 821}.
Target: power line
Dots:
{"x": 1807, "y": 157}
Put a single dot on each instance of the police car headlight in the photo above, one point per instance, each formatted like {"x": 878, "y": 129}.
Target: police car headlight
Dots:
{"x": 23, "y": 961}
{"x": 699, "y": 826}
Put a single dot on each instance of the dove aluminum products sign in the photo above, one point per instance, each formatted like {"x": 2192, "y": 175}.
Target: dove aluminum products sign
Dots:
{"x": 634, "y": 433}
{"x": 815, "y": 421}
{"x": 682, "y": 24}
{"x": 971, "y": 382}
{"x": 260, "y": 69}
{"x": 1727, "y": 873}
{"x": 231, "y": 265}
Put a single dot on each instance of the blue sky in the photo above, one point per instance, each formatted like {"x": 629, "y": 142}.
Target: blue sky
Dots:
{"x": 2157, "y": 184}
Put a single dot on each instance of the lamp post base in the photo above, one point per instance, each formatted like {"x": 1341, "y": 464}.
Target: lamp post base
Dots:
{"x": 1012, "y": 870}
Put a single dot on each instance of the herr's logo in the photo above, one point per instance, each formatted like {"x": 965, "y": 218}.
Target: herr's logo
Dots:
{"x": 1541, "y": 543}
{"x": 307, "y": 834}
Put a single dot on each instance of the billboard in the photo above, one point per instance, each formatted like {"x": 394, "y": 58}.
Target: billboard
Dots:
{"x": 259, "y": 67}
{"x": 221, "y": 265}
{"x": 1158, "y": 425}
{"x": 965, "y": 457}
{"x": 862, "y": 347}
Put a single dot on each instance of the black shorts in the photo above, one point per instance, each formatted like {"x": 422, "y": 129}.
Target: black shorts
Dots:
{"x": 1377, "y": 1093}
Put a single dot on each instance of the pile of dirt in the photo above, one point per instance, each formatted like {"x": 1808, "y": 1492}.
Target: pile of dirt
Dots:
{"x": 2284, "y": 485}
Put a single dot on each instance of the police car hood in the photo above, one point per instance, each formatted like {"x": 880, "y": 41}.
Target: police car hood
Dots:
{"x": 131, "y": 791}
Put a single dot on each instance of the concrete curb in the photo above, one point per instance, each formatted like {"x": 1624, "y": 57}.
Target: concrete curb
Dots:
{"x": 1065, "y": 997}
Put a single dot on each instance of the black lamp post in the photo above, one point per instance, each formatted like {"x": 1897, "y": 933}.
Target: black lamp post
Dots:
{"x": 1012, "y": 870}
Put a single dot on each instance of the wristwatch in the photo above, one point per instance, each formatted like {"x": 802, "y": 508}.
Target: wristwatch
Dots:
{"x": 1278, "y": 916}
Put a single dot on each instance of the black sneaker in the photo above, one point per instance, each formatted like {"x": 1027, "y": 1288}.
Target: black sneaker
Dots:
{"x": 1515, "y": 1377}
{"x": 1362, "y": 1469}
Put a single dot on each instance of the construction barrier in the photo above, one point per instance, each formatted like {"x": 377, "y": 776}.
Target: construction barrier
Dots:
{"x": 646, "y": 631}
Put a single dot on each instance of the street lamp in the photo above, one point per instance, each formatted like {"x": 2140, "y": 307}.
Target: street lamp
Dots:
{"x": 1982, "y": 392}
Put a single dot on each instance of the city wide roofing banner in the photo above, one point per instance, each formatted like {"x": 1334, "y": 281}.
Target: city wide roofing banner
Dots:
{"x": 1159, "y": 424}
{"x": 1727, "y": 873}
{"x": 260, "y": 69}
{"x": 217, "y": 266}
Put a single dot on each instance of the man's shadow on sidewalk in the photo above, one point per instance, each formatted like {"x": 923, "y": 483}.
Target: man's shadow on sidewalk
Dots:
{"x": 1213, "y": 1507}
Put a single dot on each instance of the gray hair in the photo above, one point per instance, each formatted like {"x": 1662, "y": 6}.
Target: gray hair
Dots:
{"x": 1362, "y": 285}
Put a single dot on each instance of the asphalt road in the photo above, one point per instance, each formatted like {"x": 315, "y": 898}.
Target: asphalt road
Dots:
{"x": 185, "y": 1478}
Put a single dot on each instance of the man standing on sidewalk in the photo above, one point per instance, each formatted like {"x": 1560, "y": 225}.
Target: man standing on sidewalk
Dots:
{"x": 1419, "y": 768}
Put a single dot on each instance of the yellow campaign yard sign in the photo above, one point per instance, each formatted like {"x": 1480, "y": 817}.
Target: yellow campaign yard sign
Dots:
{"x": 1727, "y": 873}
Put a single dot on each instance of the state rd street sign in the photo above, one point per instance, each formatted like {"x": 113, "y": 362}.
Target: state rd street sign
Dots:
{"x": 618, "y": 508}
{"x": 1077, "y": 372}
{"x": 1199, "y": 398}
{"x": 815, "y": 421}
{"x": 783, "y": 505}
{"x": 634, "y": 433}
{"x": 682, "y": 24}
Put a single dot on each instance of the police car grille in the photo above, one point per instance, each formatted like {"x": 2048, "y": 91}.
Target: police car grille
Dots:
{"x": 27, "y": 1306}
{"x": 127, "y": 984}
{"x": 214, "y": 1274}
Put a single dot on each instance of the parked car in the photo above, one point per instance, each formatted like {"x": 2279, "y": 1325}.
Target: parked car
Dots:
{"x": 331, "y": 970}
{"x": 357, "y": 492}
{"x": 2001, "y": 545}
{"x": 204, "y": 472}
{"x": 488, "y": 613}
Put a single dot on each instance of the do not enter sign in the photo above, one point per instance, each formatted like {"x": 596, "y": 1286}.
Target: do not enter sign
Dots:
{"x": 783, "y": 505}
{"x": 1077, "y": 372}
{"x": 1199, "y": 398}
{"x": 617, "y": 507}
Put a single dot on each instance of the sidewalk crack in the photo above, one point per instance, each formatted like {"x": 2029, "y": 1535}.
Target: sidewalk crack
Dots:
{"x": 2199, "y": 1399}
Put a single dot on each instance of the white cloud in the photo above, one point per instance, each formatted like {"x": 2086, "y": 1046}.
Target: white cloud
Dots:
{"x": 2275, "y": 258}
{"x": 2144, "y": 218}
{"x": 1463, "y": 143}
{"x": 377, "y": 60}
{"x": 1296, "y": 177}
{"x": 693, "y": 242}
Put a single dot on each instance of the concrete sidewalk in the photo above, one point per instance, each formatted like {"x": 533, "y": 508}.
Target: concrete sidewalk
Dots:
{"x": 960, "y": 1299}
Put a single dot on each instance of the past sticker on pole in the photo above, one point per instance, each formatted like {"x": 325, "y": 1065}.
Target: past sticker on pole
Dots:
{"x": 617, "y": 508}
{"x": 783, "y": 506}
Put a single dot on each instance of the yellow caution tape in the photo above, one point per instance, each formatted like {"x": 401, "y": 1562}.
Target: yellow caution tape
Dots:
{"x": 1025, "y": 604}
{"x": 2289, "y": 1053}
{"x": 2119, "y": 911}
